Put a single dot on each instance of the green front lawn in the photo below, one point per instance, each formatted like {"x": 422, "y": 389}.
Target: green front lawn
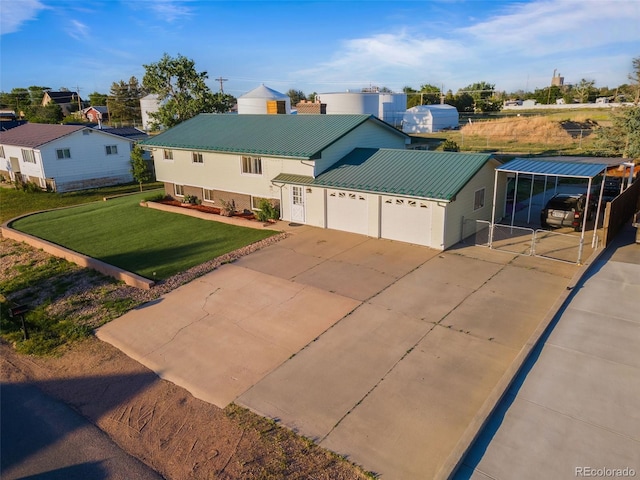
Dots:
{"x": 149, "y": 242}
{"x": 14, "y": 203}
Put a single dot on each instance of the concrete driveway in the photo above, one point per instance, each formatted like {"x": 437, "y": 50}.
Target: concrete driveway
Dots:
{"x": 381, "y": 351}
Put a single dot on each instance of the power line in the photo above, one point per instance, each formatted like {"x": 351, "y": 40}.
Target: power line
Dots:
{"x": 220, "y": 79}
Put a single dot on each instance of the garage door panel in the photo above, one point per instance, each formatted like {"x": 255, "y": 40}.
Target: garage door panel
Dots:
{"x": 406, "y": 220}
{"x": 347, "y": 211}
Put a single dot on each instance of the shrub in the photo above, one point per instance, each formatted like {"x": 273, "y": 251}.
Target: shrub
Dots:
{"x": 450, "y": 146}
{"x": 155, "y": 198}
{"x": 267, "y": 211}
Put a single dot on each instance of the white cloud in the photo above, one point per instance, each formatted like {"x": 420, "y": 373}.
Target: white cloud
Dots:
{"x": 540, "y": 28}
{"x": 170, "y": 10}
{"x": 78, "y": 30}
{"x": 13, "y": 14}
{"x": 518, "y": 48}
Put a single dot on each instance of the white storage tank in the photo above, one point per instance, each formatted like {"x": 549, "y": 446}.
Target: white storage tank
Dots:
{"x": 148, "y": 104}
{"x": 264, "y": 100}
{"x": 392, "y": 108}
{"x": 351, "y": 103}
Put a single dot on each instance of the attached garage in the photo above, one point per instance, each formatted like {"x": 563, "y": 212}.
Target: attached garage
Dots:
{"x": 347, "y": 211}
{"x": 406, "y": 220}
{"x": 411, "y": 196}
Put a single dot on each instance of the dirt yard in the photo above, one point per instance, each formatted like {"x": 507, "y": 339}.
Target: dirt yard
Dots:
{"x": 163, "y": 425}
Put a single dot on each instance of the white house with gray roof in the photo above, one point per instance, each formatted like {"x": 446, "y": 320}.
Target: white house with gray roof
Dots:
{"x": 64, "y": 157}
{"x": 346, "y": 172}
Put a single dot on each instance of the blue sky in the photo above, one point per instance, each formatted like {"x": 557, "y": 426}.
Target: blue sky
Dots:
{"x": 320, "y": 46}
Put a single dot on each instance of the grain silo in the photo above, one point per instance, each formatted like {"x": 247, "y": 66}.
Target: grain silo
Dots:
{"x": 392, "y": 108}
{"x": 148, "y": 104}
{"x": 263, "y": 100}
{"x": 351, "y": 103}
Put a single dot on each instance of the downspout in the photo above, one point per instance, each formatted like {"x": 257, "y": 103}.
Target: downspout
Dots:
{"x": 594, "y": 240}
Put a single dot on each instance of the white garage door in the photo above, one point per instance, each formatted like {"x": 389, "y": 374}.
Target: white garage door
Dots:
{"x": 406, "y": 220}
{"x": 347, "y": 211}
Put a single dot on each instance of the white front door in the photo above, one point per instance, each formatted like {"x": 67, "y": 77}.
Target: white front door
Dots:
{"x": 297, "y": 204}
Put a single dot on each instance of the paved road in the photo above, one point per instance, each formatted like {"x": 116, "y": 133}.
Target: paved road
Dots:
{"x": 44, "y": 439}
{"x": 574, "y": 410}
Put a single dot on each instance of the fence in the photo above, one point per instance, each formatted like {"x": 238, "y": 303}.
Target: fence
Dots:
{"x": 620, "y": 210}
{"x": 527, "y": 241}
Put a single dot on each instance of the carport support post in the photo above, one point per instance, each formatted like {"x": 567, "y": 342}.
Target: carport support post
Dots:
{"x": 584, "y": 222}
{"x": 533, "y": 179}
{"x": 493, "y": 210}
{"x": 515, "y": 197}
{"x": 594, "y": 240}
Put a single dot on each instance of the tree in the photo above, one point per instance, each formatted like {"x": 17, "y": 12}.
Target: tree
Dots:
{"x": 182, "y": 91}
{"x": 429, "y": 94}
{"x": 124, "y": 101}
{"x": 139, "y": 168}
{"x": 635, "y": 79}
{"x": 585, "y": 90}
{"x": 97, "y": 99}
{"x": 18, "y": 100}
{"x": 481, "y": 93}
{"x": 296, "y": 96}
{"x": 622, "y": 138}
{"x": 50, "y": 113}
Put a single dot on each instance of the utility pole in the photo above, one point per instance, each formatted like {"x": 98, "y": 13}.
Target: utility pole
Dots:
{"x": 78, "y": 93}
{"x": 220, "y": 79}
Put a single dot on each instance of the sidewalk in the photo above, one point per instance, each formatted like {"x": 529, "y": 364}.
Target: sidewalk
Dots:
{"x": 573, "y": 410}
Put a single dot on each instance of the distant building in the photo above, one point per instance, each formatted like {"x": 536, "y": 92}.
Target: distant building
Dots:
{"x": 430, "y": 118}
{"x": 69, "y": 102}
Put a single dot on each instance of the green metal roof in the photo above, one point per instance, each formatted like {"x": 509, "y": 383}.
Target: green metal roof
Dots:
{"x": 415, "y": 173}
{"x": 296, "y": 136}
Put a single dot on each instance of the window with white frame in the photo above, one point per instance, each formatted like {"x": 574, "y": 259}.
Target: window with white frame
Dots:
{"x": 196, "y": 157}
{"x": 2, "y": 151}
{"x": 478, "y": 199}
{"x": 167, "y": 154}
{"x": 178, "y": 190}
{"x": 252, "y": 165}
{"x": 208, "y": 195}
{"x": 63, "y": 153}
{"x": 111, "y": 149}
{"x": 28, "y": 156}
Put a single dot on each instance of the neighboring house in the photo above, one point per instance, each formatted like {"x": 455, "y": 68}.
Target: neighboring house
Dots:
{"x": 69, "y": 101}
{"x": 96, "y": 114}
{"x": 64, "y": 157}
{"x": 346, "y": 172}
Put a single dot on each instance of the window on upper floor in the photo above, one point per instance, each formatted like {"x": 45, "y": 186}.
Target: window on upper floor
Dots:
{"x": 2, "y": 151}
{"x": 111, "y": 149}
{"x": 252, "y": 165}
{"x": 63, "y": 153}
{"x": 167, "y": 154}
{"x": 28, "y": 156}
{"x": 196, "y": 157}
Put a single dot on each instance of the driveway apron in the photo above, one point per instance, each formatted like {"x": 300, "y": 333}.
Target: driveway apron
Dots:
{"x": 378, "y": 350}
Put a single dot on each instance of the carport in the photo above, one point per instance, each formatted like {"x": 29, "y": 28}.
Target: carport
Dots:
{"x": 552, "y": 171}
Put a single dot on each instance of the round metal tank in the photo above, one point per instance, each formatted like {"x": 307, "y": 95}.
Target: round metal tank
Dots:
{"x": 148, "y": 104}
{"x": 392, "y": 108}
{"x": 255, "y": 101}
{"x": 351, "y": 103}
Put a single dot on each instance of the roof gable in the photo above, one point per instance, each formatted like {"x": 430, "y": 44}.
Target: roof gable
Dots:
{"x": 294, "y": 136}
{"x": 416, "y": 173}
{"x": 63, "y": 97}
{"x": 33, "y": 135}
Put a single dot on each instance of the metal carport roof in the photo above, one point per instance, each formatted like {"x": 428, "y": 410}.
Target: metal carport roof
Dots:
{"x": 529, "y": 166}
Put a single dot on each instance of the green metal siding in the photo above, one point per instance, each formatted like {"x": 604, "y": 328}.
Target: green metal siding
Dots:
{"x": 294, "y": 136}
{"x": 415, "y": 173}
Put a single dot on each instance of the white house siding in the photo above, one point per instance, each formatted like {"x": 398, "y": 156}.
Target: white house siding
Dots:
{"x": 368, "y": 135}
{"x": 463, "y": 207}
{"x": 89, "y": 165}
{"x": 223, "y": 172}
{"x": 32, "y": 172}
